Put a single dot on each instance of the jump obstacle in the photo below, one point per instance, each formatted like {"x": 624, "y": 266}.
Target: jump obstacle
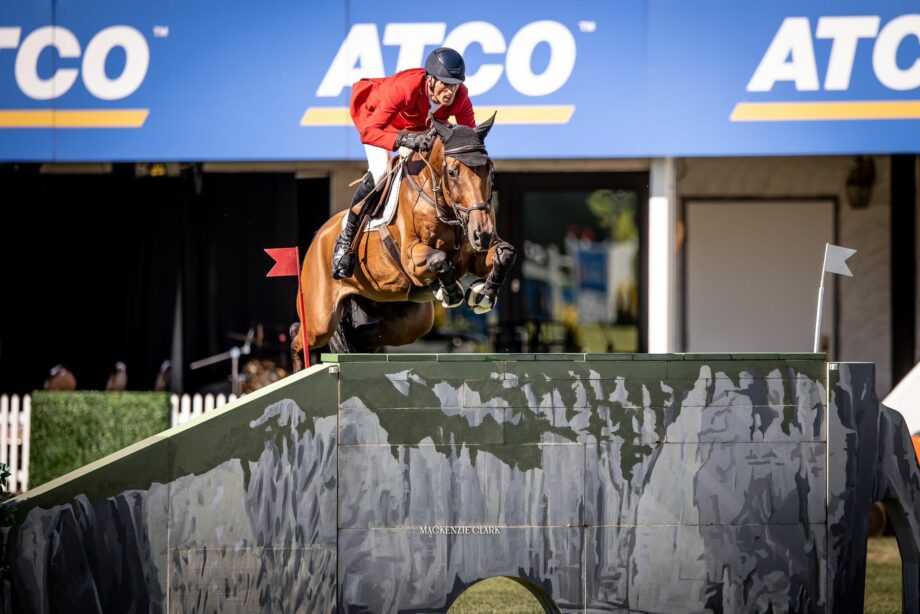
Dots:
{"x": 391, "y": 483}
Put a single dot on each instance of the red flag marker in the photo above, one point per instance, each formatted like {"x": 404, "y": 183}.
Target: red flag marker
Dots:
{"x": 287, "y": 263}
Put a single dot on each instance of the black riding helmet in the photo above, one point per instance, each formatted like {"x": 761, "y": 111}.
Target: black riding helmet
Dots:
{"x": 445, "y": 65}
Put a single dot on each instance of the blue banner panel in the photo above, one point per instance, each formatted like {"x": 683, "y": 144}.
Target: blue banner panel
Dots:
{"x": 783, "y": 77}
{"x": 123, "y": 81}
{"x": 23, "y": 143}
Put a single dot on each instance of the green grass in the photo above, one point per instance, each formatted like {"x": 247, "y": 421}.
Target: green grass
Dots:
{"x": 496, "y": 596}
{"x": 600, "y": 337}
{"x": 883, "y": 577}
{"x": 883, "y": 587}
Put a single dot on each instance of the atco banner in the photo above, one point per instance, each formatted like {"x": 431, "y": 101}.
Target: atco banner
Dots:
{"x": 175, "y": 81}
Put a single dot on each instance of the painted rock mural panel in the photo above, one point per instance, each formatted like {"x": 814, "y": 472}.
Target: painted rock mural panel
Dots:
{"x": 604, "y": 483}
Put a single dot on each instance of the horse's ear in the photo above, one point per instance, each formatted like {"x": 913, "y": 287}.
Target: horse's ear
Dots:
{"x": 483, "y": 129}
{"x": 443, "y": 130}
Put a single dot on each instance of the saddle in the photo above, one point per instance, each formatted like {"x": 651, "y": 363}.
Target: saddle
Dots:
{"x": 378, "y": 219}
{"x": 389, "y": 198}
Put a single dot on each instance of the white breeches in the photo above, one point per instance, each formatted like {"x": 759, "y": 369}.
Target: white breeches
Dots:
{"x": 377, "y": 159}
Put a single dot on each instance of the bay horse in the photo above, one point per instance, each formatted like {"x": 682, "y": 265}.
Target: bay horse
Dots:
{"x": 443, "y": 229}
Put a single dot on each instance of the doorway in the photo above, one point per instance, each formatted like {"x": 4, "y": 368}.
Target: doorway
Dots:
{"x": 752, "y": 269}
{"x": 578, "y": 284}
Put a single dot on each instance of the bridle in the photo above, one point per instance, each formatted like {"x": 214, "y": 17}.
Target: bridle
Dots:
{"x": 461, "y": 215}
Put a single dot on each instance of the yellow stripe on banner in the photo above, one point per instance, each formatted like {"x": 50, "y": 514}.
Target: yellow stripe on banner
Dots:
{"x": 524, "y": 114}
{"x": 825, "y": 111}
{"x": 326, "y": 116}
{"x": 73, "y": 118}
{"x": 527, "y": 114}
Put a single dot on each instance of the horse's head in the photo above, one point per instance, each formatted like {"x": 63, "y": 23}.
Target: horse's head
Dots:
{"x": 467, "y": 179}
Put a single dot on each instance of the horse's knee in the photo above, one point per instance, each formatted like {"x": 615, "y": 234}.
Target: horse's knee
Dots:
{"x": 505, "y": 254}
{"x": 438, "y": 263}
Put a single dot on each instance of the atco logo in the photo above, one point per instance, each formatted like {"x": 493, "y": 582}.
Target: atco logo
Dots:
{"x": 360, "y": 54}
{"x": 92, "y": 66}
{"x": 791, "y": 58}
{"x": 791, "y": 55}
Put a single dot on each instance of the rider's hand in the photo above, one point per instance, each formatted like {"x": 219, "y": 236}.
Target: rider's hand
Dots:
{"x": 419, "y": 141}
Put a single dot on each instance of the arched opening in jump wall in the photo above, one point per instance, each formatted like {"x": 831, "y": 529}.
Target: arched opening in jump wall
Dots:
{"x": 503, "y": 594}
{"x": 890, "y": 554}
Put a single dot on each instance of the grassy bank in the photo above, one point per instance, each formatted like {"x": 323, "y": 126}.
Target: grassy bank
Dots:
{"x": 883, "y": 577}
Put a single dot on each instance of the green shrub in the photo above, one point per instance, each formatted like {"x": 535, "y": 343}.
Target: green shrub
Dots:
{"x": 71, "y": 429}
{"x": 6, "y": 519}
{"x": 6, "y": 511}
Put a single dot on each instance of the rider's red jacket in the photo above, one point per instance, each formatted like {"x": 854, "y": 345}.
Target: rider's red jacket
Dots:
{"x": 382, "y": 108}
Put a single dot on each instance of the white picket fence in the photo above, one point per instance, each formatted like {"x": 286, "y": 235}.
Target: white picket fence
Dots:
{"x": 16, "y": 420}
{"x": 187, "y": 407}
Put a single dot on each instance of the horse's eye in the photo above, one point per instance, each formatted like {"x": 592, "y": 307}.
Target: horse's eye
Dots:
{"x": 453, "y": 173}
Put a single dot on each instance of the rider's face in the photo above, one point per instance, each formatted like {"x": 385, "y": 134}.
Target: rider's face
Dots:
{"x": 442, "y": 93}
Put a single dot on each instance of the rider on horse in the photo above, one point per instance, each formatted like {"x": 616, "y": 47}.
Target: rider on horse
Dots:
{"x": 389, "y": 113}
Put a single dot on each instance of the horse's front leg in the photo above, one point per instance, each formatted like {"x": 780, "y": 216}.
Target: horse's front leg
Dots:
{"x": 482, "y": 294}
{"x": 448, "y": 290}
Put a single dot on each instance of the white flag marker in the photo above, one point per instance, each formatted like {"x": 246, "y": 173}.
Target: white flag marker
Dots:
{"x": 835, "y": 261}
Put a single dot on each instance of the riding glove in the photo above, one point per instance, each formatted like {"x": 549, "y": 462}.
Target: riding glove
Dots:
{"x": 420, "y": 141}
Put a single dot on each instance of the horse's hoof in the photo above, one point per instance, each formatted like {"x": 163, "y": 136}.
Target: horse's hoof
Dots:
{"x": 450, "y": 297}
{"x": 478, "y": 299}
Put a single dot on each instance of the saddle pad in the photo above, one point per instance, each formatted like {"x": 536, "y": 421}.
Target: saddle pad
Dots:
{"x": 390, "y": 208}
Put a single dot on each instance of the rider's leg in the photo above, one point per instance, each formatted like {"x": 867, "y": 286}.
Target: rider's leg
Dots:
{"x": 343, "y": 257}
{"x": 377, "y": 160}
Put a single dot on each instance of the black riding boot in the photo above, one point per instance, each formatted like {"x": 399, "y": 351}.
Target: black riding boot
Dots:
{"x": 343, "y": 257}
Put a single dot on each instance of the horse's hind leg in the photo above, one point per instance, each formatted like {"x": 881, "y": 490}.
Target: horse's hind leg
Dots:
{"x": 296, "y": 348}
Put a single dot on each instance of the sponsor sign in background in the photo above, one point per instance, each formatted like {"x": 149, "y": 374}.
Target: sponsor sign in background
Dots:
{"x": 224, "y": 81}
{"x": 702, "y": 56}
